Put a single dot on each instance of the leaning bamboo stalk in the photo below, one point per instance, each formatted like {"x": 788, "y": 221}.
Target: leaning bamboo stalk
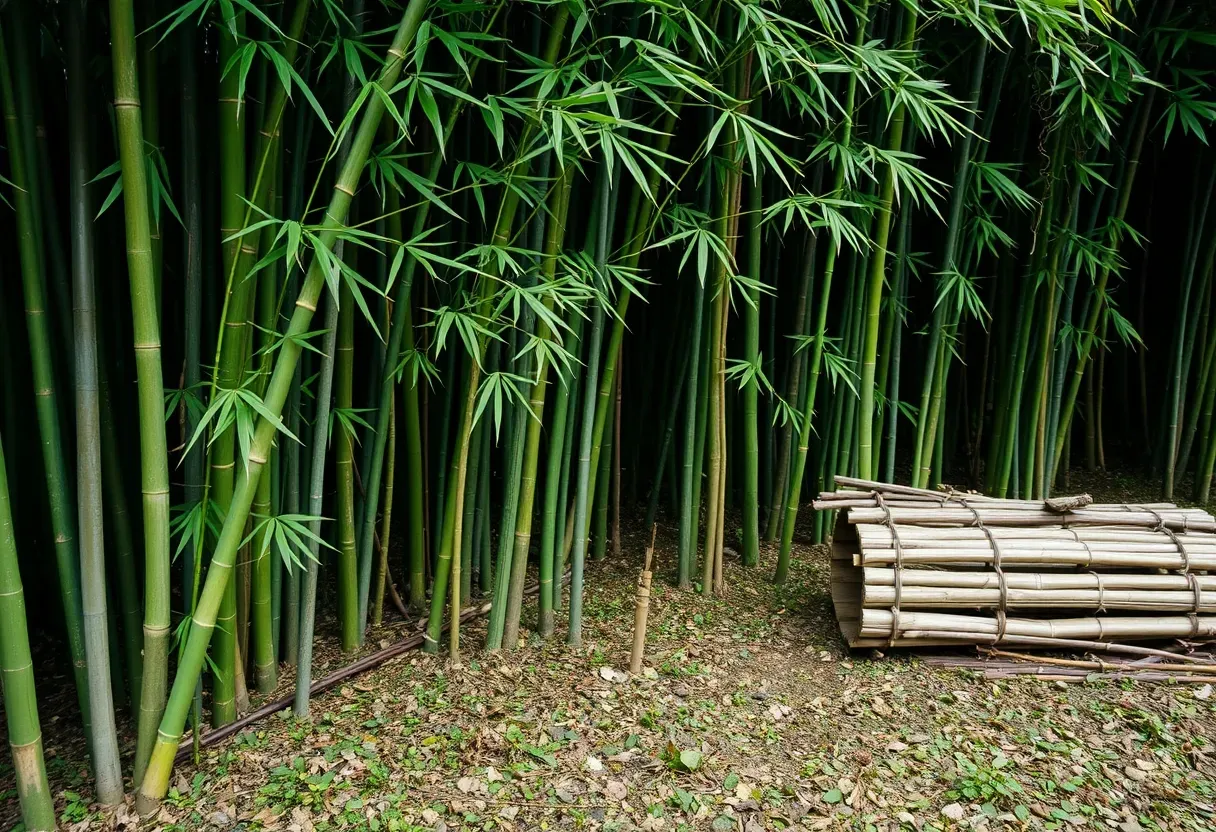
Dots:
{"x": 156, "y": 781}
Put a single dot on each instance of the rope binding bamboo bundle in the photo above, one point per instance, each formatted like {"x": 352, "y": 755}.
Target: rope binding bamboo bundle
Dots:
{"x": 913, "y": 567}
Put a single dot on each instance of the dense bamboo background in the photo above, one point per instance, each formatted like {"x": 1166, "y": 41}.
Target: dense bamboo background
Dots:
{"x": 307, "y": 304}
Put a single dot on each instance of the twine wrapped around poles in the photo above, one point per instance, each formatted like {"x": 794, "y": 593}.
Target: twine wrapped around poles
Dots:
{"x": 913, "y": 567}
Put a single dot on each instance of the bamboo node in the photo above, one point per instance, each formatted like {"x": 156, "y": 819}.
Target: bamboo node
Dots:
{"x": 340, "y": 187}
{"x": 126, "y": 103}
{"x": 396, "y": 53}
{"x": 303, "y": 304}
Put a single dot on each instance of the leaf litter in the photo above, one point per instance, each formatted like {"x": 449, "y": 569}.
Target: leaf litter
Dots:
{"x": 749, "y": 716}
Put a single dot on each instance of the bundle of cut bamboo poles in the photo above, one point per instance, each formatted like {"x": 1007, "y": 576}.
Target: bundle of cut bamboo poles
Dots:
{"x": 917, "y": 567}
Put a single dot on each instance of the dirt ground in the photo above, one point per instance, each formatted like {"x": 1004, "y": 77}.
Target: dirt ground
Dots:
{"x": 750, "y": 716}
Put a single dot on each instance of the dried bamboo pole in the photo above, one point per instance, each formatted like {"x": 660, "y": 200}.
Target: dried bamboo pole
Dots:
{"x": 904, "y": 560}
{"x": 641, "y": 609}
{"x": 1102, "y": 665}
{"x": 877, "y": 576}
{"x": 1100, "y": 599}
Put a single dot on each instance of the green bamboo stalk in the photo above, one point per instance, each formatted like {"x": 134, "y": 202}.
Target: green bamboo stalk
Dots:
{"x": 899, "y": 294}
{"x": 156, "y": 781}
{"x": 481, "y": 519}
{"x": 397, "y": 332}
{"x": 233, "y": 345}
{"x": 274, "y": 276}
{"x": 668, "y": 434}
{"x": 1203, "y": 417}
{"x": 926, "y": 424}
{"x": 794, "y": 492}
{"x": 1207, "y": 460}
{"x": 690, "y": 503}
{"x": 149, "y": 99}
{"x": 37, "y": 325}
{"x": 17, "y": 672}
{"x": 474, "y": 507}
{"x": 1201, "y": 374}
{"x": 713, "y": 436}
{"x": 445, "y": 426}
{"x": 416, "y": 493}
{"x": 599, "y": 520}
{"x": 344, "y": 472}
{"x": 25, "y": 49}
{"x": 291, "y": 505}
{"x": 878, "y": 271}
{"x": 153, "y": 454}
{"x": 316, "y": 501}
{"x": 1098, "y": 293}
{"x": 264, "y": 653}
{"x": 554, "y": 236}
{"x": 118, "y": 522}
{"x": 751, "y": 354}
{"x": 636, "y": 237}
{"x": 1038, "y": 453}
{"x": 103, "y": 741}
{"x": 556, "y": 482}
{"x": 386, "y": 524}
{"x": 1060, "y": 360}
{"x": 192, "y": 326}
{"x": 502, "y": 235}
{"x": 578, "y": 553}
{"x": 1182, "y": 346}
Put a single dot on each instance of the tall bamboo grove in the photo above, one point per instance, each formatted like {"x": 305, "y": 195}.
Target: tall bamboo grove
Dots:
{"x": 321, "y": 314}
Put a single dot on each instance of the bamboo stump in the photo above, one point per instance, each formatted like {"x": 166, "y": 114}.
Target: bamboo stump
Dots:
{"x": 641, "y": 610}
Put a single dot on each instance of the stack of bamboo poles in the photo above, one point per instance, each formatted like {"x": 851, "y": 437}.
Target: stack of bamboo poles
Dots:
{"x": 915, "y": 567}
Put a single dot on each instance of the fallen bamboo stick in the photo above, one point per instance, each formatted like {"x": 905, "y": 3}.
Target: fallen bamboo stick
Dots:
{"x": 1099, "y": 646}
{"x": 1100, "y": 665}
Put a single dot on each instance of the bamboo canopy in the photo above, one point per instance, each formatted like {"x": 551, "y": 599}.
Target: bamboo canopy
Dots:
{"x": 913, "y": 567}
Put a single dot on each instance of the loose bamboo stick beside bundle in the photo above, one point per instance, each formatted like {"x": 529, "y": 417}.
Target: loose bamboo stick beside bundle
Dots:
{"x": 907, "y": 563}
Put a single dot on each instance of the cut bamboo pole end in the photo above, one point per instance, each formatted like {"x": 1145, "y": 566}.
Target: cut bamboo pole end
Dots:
{"x": 641, "y": 609}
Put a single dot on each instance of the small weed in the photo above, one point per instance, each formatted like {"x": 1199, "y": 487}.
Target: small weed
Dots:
{"x": 982, "y": 781}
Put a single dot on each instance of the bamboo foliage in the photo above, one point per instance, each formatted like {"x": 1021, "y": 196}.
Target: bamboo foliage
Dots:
{"x": 576, "y": 258}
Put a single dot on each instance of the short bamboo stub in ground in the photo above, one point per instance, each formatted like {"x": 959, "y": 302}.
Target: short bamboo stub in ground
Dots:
{"x": 641, "y": 610}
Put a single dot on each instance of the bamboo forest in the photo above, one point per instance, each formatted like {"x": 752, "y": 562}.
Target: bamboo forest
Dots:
{"x": 333, "y": 325}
